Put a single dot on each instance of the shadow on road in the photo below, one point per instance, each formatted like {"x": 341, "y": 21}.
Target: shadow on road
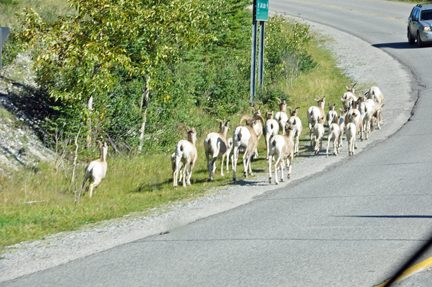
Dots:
{"x": 396, "y": 45}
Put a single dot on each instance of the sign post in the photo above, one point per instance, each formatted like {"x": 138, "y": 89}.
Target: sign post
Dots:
{"x": 4, "y": 32}
{"x": 260, "y": 13}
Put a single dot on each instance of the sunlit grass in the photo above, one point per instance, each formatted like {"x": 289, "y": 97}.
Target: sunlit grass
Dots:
{"x": 37, "y": 203}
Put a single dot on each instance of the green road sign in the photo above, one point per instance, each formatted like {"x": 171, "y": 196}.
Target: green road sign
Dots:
{"x": 4, "y": 32}
{"x": 262, "y": 10}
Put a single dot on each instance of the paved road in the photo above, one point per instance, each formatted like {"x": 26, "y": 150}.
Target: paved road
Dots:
{"x": 349, "y": 225}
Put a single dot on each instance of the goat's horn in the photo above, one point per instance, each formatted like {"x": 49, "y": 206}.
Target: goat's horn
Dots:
{"x": 221, "y": 121}
{"x": 245, "y": 117}
{"x": 279, "y": 101}
{"x": 259, "y": 118}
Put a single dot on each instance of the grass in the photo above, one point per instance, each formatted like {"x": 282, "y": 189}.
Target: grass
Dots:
{"x": 39, "y": 202}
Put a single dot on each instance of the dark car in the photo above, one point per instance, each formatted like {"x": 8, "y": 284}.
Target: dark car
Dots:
{"x": 419, "y": 25}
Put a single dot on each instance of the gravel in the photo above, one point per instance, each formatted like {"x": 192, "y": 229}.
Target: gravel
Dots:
{"x": 361, "y": 63}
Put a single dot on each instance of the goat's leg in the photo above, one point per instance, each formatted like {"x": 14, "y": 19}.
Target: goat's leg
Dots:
{"x": 328, "y": 143}
{"x": 185, "y": 168}
{"x": 269, "y": 166}
{"x": 190, "y": 172}
{"x": 277, "y": 165}
{"x": 250, "y": 164}
{"x": 234, "y": 162}
{"x": 282, "y": 166}
{"x": 267, "y": 138}
{"x": 245, "y": 163}
{"x": 290, "y": 159}
{"x": 227, "y": 160}
{"x": 223, "y": 158}
{"x": 94, "y": 185}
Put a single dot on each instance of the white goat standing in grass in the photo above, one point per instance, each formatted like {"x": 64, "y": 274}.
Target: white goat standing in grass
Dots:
{"x": 215, "y": 145}
{"x": 96, "y": 170}
{"x": 258, "y": 127}
{"x": 281, "y": 116}
{"x": 271, "y": 128}
{"x": 245, "y": 136}
{"x": 296, "y": 123}
{"x": 185, "y": 153}
{"x": 282, "y": 147}
{"x": 313, "y": 114}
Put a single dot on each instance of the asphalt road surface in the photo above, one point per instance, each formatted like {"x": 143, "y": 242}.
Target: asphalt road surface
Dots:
{"x": 350, "y": 224}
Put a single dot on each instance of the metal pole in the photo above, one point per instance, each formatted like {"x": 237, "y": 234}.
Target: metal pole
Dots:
{"x": 261, "y": 55}
{"x": 254, "y": 52}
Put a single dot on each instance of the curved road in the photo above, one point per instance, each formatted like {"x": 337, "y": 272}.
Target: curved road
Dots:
{"x": 349, "y": 225}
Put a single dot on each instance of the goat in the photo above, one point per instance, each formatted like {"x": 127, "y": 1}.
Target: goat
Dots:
{"x": 369, "y": 109}
{"x": 281, "y": 116}
{"x": 350, "y": 131}
{"x": 353, "y": 115}
{"x": 375, "y": 94}
{"x": 215, "y": 144}
{"x": 341, "y": 124}
{"x": 245, "y": 136}
{"x": 296, "y": 123}
{"x": 334, "y": 131}
{"x": 186, "y": 153}
{"x": 283, "y": 147}
{"x": 318, "y": 134}
{"x": 258, "y": 127}
{"x": 271, "y": 128}
{"x": 332, "y": 115}
{"x": 349, "y": 97}
{"x": 314, "y": 113}
{"x": 96, "y": 170}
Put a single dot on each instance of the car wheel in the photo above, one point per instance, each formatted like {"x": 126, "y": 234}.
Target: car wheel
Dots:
{"x": 411, "y": 39}
{"x": 419, "y": 41}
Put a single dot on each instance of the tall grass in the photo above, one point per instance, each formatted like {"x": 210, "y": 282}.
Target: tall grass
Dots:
{"x": 38, "y": 202}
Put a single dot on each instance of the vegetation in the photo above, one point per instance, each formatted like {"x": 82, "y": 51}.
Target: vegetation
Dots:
{"x": 185, "y": 65}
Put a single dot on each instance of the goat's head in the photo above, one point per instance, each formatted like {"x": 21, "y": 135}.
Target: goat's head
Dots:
{"x": 269, "y": 115}
{"x": 320, "y": 102}
{"x": 332, "y": 107}
{"x": 282, "y": 105}
{"x": 192, "y": 135}
{"x": 351, "y": 88}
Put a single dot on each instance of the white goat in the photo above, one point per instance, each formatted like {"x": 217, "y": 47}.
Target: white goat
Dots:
{"x": 296, "y": 123}
{"x": 96, "y": 170}
{"x": 331, "y": 115}
{"x": 186, "y": 153}
{"x": 318, "y": 134}
{"x": 351, "y": 133}
{"x": 282, "y": 146}
{"x": 281, "y": 116}
{"x": 271, "y": 128}
{"x": 342, "y": 125}
{"x": 375, "y": 94}
{"x": 215, "y": 144}
{"x": 313, "y": 114}
{"x": 334, "y": 132}
{"x": 349, "y": 97}
{"x": 258, "y": 127}
{"x": 369, "y": 109}
{"x": 353, "y": 115}
{"x": 245, "y": 136}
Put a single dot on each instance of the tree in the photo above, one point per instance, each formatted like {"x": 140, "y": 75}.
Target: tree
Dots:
{"x": 75, "y": 56}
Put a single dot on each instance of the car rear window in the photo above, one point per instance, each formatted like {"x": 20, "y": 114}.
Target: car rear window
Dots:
{"x": 426, "y": 15}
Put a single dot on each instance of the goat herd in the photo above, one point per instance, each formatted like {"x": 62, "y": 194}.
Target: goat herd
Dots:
{"x": 360, "y": 115}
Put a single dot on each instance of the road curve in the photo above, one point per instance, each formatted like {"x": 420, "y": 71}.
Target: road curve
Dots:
{"x": 347, "y": 224}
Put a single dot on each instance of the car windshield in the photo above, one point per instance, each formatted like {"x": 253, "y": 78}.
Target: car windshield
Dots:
{"x": 426, "y": 15}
